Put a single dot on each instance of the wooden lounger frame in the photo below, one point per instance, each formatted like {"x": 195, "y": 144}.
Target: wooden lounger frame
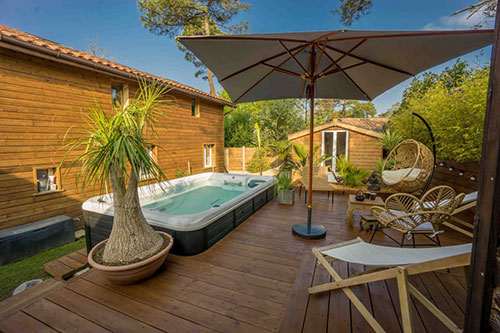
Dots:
{"x": 400, "y": 273}
{"x": 458, "y": 210}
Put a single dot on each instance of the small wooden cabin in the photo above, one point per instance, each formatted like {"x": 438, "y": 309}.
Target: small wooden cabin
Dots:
{"x": 356, "y": 138}
{"x": 44, "y": 90}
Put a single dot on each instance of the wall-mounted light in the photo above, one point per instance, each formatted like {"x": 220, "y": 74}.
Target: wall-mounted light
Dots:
{"x": 473, "y": 178}
{"x": 460, "y": 173}
{"x": 441, "y": 164}
{"x": 451, "y": 168}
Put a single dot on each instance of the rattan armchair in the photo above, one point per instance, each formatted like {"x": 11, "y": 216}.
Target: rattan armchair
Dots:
{"x": 410, "y": 215}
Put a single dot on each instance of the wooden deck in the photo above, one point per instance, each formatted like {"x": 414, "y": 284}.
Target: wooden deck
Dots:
{"x": 67, "y": 265}
{"x": 255, "y": 279}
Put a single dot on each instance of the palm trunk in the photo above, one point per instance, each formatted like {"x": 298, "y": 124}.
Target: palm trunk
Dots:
{"x": 132, "y": 239}
{"x": 209, "y": 72}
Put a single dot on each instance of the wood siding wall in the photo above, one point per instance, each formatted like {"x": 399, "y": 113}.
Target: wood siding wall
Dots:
{"x": 364, "y": 150}
{"x": 41, "y": 99}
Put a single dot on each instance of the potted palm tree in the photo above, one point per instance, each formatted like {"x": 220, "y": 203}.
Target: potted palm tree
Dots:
{"x": 116, "y": 151}
{"x": 284, "y": 188}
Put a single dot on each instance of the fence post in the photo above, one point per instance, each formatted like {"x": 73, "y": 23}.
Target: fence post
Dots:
{"x": 243, "y": 158}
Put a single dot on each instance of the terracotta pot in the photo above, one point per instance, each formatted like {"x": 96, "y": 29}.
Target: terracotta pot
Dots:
{"x": 128, "y": 274}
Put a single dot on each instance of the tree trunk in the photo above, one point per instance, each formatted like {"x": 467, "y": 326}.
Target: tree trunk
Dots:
{"x": 132, "y": 239}
{"x": 209, "y": 72}
{"x": 342, "y": 112}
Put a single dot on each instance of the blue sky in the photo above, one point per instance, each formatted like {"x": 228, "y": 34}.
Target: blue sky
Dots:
{"x": 116, "y": 22}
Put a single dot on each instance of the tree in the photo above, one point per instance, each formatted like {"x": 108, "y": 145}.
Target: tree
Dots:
{"x": 94, "y": 48}
{"x": 361, "y": 110}
{"x": 487, "y": 8}
{"x": 352, "y": 10}
{"x": 238, "y": 129}
{"x": 192, "y": 17}
{"x": 455, "y": 113}
{"x": 450, "y": 77}
{"x": 391, "y": 111}
{"x": 116, "y": 151}
{"x": 278, "y": 119}
{"x": 328, "y": 109}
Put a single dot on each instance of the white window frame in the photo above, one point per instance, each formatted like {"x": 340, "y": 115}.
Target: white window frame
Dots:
{"x": 208, "y": 163}
{"x": 334, "y": 144}
{"x": 147, "y": 176}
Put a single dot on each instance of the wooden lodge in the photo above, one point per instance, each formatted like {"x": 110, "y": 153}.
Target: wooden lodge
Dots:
{"x": 355, "y": 138}
{"x": 44, "y": 91}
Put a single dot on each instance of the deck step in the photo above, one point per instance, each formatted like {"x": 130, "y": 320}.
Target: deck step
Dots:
{"x": 67, "y": 265}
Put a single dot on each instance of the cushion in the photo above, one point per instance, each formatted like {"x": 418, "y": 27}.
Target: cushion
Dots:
{"x": 426, "y": 226}
{"x": 391, "y": 177}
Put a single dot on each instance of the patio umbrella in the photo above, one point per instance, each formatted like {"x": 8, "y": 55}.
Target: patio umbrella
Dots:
{"x": 330, "y": 64}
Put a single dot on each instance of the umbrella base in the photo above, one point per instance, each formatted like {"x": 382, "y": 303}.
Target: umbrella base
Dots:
{"x": 315, "y": 231}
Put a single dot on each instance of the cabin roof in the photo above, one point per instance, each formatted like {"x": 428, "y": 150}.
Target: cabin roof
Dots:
{"x": 368, "y": 126}
{"x": 22, "y": 41}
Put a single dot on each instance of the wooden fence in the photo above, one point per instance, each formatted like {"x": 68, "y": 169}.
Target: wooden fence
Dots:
{"x": 238, "y": 158}
{"x": 462, "y": 177}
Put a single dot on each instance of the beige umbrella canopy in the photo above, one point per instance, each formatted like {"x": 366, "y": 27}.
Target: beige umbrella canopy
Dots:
{"x": 329, "y": 64}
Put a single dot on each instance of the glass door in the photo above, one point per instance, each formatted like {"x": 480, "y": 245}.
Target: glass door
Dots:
{"x": 335, "y": 144}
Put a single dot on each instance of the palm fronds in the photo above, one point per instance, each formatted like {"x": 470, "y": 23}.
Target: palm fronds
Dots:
{"x": 116, "y": 141}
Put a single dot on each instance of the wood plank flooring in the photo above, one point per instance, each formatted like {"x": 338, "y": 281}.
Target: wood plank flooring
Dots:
{"x": 67, "y": 265}
{"x": 253, "y": 280}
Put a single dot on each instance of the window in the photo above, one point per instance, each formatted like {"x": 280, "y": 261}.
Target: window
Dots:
{"x": 47, "y": 179}
{"x": 334, "y": 143}
{"x": 195, "y": 107}
{"x": 116, "y": 94}
{"x": 153, "y": 153}
{"x": 208, "y": 155}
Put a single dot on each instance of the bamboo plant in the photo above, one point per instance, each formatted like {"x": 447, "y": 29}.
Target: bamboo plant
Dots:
{"x": 116, "y": 151}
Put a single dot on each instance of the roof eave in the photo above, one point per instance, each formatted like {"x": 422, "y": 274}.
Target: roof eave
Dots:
{"x": 337, "y": 123}
{"x": 20, "y": 45}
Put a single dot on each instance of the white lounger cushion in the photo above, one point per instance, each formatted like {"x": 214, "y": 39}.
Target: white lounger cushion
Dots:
{"x": 391, "y": 177}
{"x": 376, "y": 255}
{"x": 469, "y": 198}
{"x": 333, "y": 176}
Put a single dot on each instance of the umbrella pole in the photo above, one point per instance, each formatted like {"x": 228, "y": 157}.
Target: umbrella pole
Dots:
{"x": 308, "y": 231}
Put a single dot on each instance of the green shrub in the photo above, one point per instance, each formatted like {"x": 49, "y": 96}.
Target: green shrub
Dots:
{"x": 181, "y": 173}
{"x": 259, "y": 161}
{"x": 350, "y": 174}
{"x": 284, "y": 182}
{"x": 455, "y": 113}
{"x": 380, "y": 164}
{"x": 301, "y": 157}
{"x": 390, "y": 139}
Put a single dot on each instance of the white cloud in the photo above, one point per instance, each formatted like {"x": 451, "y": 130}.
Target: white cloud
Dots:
{"x": 458, "y": 22}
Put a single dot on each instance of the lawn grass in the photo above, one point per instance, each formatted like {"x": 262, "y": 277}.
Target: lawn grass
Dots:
{"x": 31, "y": 268}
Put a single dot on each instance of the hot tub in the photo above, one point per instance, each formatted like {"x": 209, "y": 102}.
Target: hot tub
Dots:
{"x": 197, "y": 210}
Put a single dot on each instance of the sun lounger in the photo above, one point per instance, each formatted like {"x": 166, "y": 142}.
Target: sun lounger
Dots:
{"x": 398, "y": 263}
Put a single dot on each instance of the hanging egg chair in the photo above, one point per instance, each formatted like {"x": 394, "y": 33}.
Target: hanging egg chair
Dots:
{"x": 408, "y": 166}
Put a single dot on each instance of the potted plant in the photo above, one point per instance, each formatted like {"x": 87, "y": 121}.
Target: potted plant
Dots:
{"x": 284, "y": 188}
{"x": 301, "y": 158}
{"x": 116, "y": 151}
